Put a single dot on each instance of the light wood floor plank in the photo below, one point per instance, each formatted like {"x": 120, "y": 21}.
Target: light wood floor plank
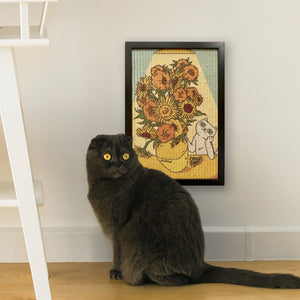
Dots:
{"x": 89, "y": 281}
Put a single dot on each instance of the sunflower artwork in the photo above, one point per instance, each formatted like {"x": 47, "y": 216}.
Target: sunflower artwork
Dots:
{"x": 175, "y": 115}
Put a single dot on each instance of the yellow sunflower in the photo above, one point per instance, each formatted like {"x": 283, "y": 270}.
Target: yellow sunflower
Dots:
{"x": 175, "y": 79}
{"x": 166, "y": 109}
{"x": 190, "y": 72}
{"x": 181, "y": 63}
{"x": 165, "y": 133}
{"x": 180, "y": 94}
{"x": 177, "y": 125}
{"x": 187, "y": 109}
{"x": 193, "y": 94}
{"x": 142, "y": 101}
{"x": 143, "y": 87}
{"x": 149, "y": 111}
{"x": 161, "y": 80}
{"x": 156, "y": 69}
{"x": 146, "y": 132}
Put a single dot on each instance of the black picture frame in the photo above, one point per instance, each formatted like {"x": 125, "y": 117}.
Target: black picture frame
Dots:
{"x": 131, "y": 46}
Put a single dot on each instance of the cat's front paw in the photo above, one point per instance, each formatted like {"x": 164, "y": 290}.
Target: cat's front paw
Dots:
{"x": 115, "y": 274}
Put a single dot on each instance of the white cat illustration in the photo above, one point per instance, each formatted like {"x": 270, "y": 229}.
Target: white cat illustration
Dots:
{"x": 202, "y": 140}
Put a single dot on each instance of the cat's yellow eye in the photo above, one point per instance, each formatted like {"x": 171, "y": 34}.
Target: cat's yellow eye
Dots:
{"x": 107, "y": 156}
{"x": 126, "y": 156}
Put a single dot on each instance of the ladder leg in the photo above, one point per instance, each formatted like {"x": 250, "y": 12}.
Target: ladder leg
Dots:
{"x": 12, "y": 119}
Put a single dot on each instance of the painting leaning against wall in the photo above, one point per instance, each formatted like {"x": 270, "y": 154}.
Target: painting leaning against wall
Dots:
{"x": 175, "y": 108}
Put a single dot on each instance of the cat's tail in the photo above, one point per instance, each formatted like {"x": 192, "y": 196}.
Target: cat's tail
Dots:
{"x": 214, "y": 274}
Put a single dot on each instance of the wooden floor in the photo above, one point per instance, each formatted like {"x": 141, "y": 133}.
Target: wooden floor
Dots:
{"x": 88, "y": 281}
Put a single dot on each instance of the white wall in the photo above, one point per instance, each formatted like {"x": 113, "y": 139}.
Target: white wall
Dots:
{"x": 74, "y": 89}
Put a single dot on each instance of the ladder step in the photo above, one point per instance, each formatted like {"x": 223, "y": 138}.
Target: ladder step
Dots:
{"x": 8, "y": 196}
{"x": 8, "y": 203}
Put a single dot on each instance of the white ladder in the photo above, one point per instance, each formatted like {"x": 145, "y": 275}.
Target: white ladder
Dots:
{"x": 13, "y": 126}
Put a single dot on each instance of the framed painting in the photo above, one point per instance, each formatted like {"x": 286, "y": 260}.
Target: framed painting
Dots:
{"x": 175, "y": 108}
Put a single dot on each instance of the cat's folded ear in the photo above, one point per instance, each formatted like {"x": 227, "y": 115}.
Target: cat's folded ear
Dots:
{"x": 96, "y": 141}
{"x": 126, "y": 137}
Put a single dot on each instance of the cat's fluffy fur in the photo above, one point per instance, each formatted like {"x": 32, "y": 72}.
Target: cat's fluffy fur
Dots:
{"x": 154, "y": 224}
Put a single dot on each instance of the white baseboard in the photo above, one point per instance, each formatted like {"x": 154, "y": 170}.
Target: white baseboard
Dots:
{"x": 252, "y": 243}
{"x": 83, "y": 244}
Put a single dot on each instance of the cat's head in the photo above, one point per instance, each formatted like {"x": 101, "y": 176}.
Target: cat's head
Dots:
{"x": 205, "y": 129}
{"x": 111, "y": 156}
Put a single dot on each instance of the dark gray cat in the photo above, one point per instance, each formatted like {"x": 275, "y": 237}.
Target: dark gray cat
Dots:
{"x": 154, "y": 224}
